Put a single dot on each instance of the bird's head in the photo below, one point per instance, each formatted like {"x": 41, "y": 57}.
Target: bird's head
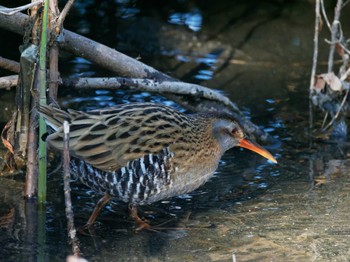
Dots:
{"x": 230, "y": 134}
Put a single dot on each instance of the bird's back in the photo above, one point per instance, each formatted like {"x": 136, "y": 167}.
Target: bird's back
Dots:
{"x": 109, "y": 138}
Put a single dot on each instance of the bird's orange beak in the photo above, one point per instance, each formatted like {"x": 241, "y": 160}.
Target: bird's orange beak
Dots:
{"x": 248, "y": 144}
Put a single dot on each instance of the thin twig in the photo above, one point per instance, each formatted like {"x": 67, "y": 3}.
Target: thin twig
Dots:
{"x": 345, "y": 75}
{"x": 63, "y": 15}
{"x": 316, "y": 33}
{"x": 334, "y": 31}
{"x": 314, "y": 61}
{"x": 12, "y": 11}
{"x": 339, "y": 110}
{"x": 67, "y": 197}
{"x": 324, "y": 120}
{"x": 336, "y": 28}
{"x": 325, "y": 15}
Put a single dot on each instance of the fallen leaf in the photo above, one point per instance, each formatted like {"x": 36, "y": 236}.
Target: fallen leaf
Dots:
{"x": 333, "y": 81}
{"x": 8, "y": 218}
{"x": 319, "y": 84}
{"x": 6, "y": 143}
{"x": 340, "y": 50}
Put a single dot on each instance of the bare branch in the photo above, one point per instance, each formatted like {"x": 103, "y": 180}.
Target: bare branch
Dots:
{"x": 316, "y": 33}
{"x": 53, "y": 53}
{"x": 12, "y": 11}
{"x": 345, "y": 75}
{"x": 9, "y": 65}
{"x": 63, "y": 15}
{"x": 7, "y": 82}
{"x": 31, "y": 185}
{"x": 334, "y": 31}
{"x": 314, "y": 60}
{"x": 174, "y": 87}
{"x": 325, "y": 15}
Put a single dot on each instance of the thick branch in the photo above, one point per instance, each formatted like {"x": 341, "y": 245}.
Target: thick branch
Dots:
{"x": 108, "y": 58}
{"x": 8, "y": 81}
{"x": 9, "y": 65}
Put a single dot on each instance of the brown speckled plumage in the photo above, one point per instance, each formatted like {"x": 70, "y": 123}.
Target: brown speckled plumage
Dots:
{"x": 144, "y": 152}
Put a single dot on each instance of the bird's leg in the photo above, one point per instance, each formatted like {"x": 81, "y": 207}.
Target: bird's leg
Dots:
{"x": 141, "y": 224}
{"x": 97, "y": 210}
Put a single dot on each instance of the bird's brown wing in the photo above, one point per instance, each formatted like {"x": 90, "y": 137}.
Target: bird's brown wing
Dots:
{"x": 108, "y": 139}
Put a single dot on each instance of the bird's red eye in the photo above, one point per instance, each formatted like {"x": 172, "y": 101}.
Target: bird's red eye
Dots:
{"x": 234, "y": 130}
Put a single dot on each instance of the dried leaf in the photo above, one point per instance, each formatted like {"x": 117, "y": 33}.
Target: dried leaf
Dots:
{"x": 340, "y": 50}
{"x": 318, "y": 182}
{"x": 333, "y": 81}
{"x": 6, "y": 143}
{"x": 7, "y": 219}
{"x": 319, "y": 83}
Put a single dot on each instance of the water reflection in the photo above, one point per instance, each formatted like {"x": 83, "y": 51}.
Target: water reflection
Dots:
{"x": 192, "y": 19}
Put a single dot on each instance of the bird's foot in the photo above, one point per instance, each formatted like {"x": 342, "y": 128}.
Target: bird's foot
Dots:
{"x": 141, "y": 225}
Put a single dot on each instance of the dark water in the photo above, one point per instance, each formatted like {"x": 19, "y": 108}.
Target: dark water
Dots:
{"x": 259, "y": 54}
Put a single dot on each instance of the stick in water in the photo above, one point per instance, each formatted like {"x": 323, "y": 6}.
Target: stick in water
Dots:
{"x": 67, "y": 197}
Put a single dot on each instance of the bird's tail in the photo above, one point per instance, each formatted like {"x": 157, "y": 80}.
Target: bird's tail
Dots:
{"x": 54, "y": 116}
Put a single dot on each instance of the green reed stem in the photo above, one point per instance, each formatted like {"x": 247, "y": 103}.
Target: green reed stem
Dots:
{"x": 42, "y": 100}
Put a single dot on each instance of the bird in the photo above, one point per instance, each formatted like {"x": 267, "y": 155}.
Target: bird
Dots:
{"x": 144, "y": 152}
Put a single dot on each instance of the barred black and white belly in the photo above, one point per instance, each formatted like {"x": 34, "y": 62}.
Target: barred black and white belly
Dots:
{"x": 138, "y": 182}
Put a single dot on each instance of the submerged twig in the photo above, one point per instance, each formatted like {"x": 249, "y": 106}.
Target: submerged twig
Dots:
{"x": 324, "y": 120}
{"x": 32, "y": 161}
{"x": 67, "y": 197}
